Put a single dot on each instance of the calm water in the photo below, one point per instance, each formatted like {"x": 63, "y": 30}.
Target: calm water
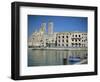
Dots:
{"x": 55, "y": 57}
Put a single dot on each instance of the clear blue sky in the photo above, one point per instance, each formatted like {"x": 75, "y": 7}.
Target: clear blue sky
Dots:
{"x": 61, "y": 23}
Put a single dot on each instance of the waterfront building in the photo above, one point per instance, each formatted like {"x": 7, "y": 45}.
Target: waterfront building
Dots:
{"x": 71, "y": 39}
{"x": 42, "y": 38}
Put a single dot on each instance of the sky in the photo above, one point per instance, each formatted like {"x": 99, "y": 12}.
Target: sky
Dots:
{"x": 60, "y": 23}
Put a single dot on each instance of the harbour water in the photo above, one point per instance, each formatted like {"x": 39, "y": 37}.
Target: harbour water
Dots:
{"x": 56, "y": 57}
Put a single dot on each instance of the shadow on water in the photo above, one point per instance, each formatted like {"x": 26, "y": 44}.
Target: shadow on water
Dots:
{"x": 56, "y": 57}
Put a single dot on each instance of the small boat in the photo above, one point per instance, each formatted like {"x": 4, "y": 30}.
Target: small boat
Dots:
{"x": 74, "y": 59}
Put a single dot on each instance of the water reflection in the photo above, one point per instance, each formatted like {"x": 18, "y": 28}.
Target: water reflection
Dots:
{"x": 56, "y": 57}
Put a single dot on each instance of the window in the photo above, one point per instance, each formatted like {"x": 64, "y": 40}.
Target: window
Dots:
{"x": 66, "y": 40}
{"x": 62, "y": 44}
{"x": 72, "y": 39}
{"x": 59, "y": 40}
{"x": 58, "y": 44}
{"x": 79, "y": 35}
{"x": 59, "y": 36}
{"x": 72, "y": 44}
{"x": 62, "y": 40}
{"x": 41, "y": 40}
{"x": 66, "y": 36}
{"x": 67, "y": 45}
{"x": 75, "y": 35}
{"x": 75, "y": 40}
{"x": 62, "y": 36}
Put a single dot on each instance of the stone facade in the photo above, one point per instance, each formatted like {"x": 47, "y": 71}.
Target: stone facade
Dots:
{"x": 72, "y": 39}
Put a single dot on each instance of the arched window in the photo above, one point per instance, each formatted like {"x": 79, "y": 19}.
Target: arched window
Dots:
{"x": 66, "y": 40}
{"x": 79, "y": 36}
{"x": 72, "y": 39}
{"x": 62, "y": 36}
{"x": 62, "y": 40}
{"x": 66, "y": 36}
{"x": 75, "y": 35}
{"x": 75, "y": 40}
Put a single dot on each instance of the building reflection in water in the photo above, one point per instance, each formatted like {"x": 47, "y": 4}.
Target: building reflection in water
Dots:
{"x": 56, "y": 57}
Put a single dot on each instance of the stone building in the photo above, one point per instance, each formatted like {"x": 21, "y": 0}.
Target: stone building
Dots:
{"x": 71, "y": 39}
{"x": 42, "y": 38}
